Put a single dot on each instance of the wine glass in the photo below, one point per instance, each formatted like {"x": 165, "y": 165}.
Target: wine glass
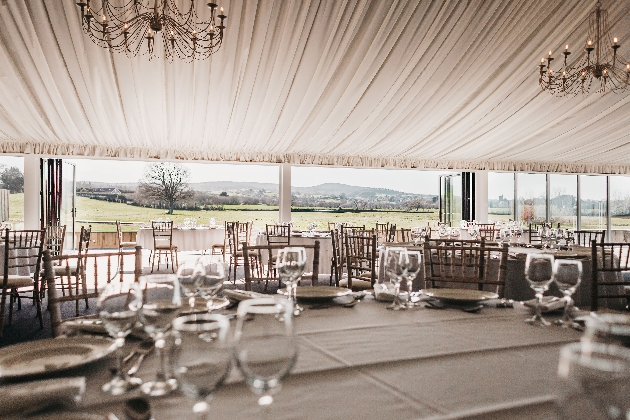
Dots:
{"x": 265, "y": 345}
{"x": 396, "y": 261}
{"x": 596, "y": 379}
{"x": 539, "y": 274}
{"x": 608, "y": 329}
{"x": 211, "y": 283}
{"x": 118, "y": 306}
{"x": 186, "y": 222}
{"x": 414, "y": 265}
{"x": 161, "y": 305}
{"x": 567, "y": 274}
{"x": 202, "y": 357}
{"x": 189, "y": 276}
{"x": 290, "y": 264}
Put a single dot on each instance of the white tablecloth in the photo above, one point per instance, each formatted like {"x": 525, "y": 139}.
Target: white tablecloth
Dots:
{"x": 325, "y": 251}
{"x": 185, "y": 239}
{"x": 370, "y": 363}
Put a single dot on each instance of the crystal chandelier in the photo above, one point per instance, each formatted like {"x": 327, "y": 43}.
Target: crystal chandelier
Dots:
{"x": 598, "y": 69}
{"x": 132, "y": 26}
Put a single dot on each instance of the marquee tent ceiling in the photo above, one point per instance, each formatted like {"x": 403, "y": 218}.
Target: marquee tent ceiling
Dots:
{"x": 379, "y": 83}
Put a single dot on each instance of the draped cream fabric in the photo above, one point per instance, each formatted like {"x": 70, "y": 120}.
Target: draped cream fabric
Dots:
{"x": 380, "y": 83}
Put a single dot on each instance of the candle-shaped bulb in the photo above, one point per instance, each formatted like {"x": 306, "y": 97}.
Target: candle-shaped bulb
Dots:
{"x": 628, "y": 67}
{"x": 549, "y": 53}
{"x": 564, "y": 73}
{"x": 194, "y": 34}
{"x": 126, "y": 26}
{"x": 590, "y": 42}
{"x": 211, "y": 28}
{"x": 149, "y": 33}
{"x": 104, "y": 19}
{"x": 222, "y": 12}
{"x": 615, "y": 40}
{"x": 566, "y": 47}
{"x": 542, "y": 61}
{"x": 605, "y": 72}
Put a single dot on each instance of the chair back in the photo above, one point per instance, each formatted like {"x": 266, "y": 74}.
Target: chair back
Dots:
{"x": 360, "y": 257}
{"x": 162, "y": 234}
{"x": 103, "y": 267}
{"x": 119, "y": 232}
{"x": 585, "y": 237}
{"x": 231, "y": 237}
{"x": 403, "y": 235}
{"x": 278, "y": 234}
{"x": 245, "y": 231}
{"x": 382, "y": 232}
{"x": 336, "y": 264}
{"x": 486, "y": 231}
{"x": 391, "y": 234}
{"x": 609, "y": 261}
{"x": 253, "y": 252}
{"x": 55, "y": 237}
{"x": 464, "y": 263}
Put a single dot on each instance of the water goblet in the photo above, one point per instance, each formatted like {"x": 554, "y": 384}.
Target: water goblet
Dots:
{"x": 608, "y": 329}
{"x": 190, "y": 275}
{"x": 539, "y": 274}
{"x": 202, "y": 357}
{"x": 414, "y": 265}
{"x": 567, "y": 274}
{"x": 193, "y": 222}
{"x": 161, "y": 305}
{"x": 211, "y": 283}
{"x": 118, "y": 306}
{"x": 596, "y": 381}
{"x": 186, "y": 222}
{"x": 290, "y": 264}
{"x": 265, "y": 346}
{"x": 396, "y": 262}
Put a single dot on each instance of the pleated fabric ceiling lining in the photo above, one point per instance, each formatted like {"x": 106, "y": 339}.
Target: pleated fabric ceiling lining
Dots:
{"x": 375, "y": 83}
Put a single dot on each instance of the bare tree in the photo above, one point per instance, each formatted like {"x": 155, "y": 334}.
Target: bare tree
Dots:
{"x": 167, "y": 182}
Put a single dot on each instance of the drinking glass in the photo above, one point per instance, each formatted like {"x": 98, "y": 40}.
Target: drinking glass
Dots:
{"x": 265, "y": 345}
{"x": 186, "y": 222}
{"x": 608, "y": 329}
{"x": 539, "y": 274}
{"x": 118, "y": 306}
{"x": 202, "y": 357}
{"x": 596, "y": 381}
{"x": 290, "y": 264}
{"x": 212, "y": 222}
{"x": 396, "y": 262}
{"x": 190, "y": 275}
{"x": 161, "y": 304}
{"x": 567, "y": 274}
{"x": 211, "y": 283}
{"x": 414, "y": 265}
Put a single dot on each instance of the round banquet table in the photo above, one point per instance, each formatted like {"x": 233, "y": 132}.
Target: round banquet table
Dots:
{"x": 185, "y": 239}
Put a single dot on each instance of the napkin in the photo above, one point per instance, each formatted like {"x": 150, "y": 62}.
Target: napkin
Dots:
{"x": 549, "y": 303}
{"x": 386, "y": 292}
{"x": 31, "y": 397}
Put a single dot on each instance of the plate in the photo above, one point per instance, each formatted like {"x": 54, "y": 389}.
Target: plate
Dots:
{"x": 239, "y": 295}
{"x": 320, "y": 292}
{"x": 459, "y": 295}
{"x": 201, "y": 305}
{"x": 52, "y": 355}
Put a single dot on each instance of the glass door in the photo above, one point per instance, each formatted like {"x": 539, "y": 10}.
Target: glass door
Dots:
{"x": 451, "y": 199}
{"x": 68, "y": 205}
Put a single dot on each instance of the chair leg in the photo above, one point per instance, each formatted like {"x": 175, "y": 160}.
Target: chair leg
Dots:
{"x": 39, "y": 306}
{"x": 11, "y": 300}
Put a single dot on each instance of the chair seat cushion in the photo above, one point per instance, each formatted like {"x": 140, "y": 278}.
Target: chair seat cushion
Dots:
{"x": 357, "y": 284}
{"x": 15, "y": 280}
{"x": 128, "y": 244}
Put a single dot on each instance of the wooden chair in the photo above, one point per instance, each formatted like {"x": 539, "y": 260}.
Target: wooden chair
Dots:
{"x": 105, "y": 266}
{"x": 585, "y": 237}
{"x": 163, "y": 244}
{"x": 69, "y": 271}
{"x": 22, "y": 262}
{"x": 220, "y": 249}
{"x": 464, "y": 263}
{"x": 122, "y": 244}
{"x": 486, "y": 231}
{"x": 382, "y": 232}
{"x": 251, "y": 253}
{"x": 336, "y": 264}
{"x": 360, "y": 257}
{"x": 609, "y": 261}
{"x": 278, "y": 234}
{"x": 54, "y": 239}
{"x": 332, "y": 226}
{"x": 391, "y": 234}
{"x": 404, "y": 235}
{"x": 236, "y": 254}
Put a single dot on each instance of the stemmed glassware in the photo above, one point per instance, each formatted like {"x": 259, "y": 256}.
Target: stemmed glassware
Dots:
{"x": 539, "y": 274}
{"x": 202, "y": 357}
{"x": 567, "y": 274}
{"x": 396, "y": 262}
{"x": 118, "y": 306}
{"x": 265, "y": 345}
{"x": 473, "y": 231}
{"x": 186, "y": 222}
{"x": 161, "y": 305}
{"x": 290, "y": 264}
{"x": 190, "y": 275}
{"x": 596, "y": 380}
{"x": 211, "y": 284}
{"x": 414, "y": 265}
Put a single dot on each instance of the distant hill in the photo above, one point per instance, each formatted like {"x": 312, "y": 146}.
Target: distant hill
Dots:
{"x": 326, "y": 190}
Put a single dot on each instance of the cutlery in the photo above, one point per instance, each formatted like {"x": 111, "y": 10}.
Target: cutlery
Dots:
{"x": 143, "y": 350}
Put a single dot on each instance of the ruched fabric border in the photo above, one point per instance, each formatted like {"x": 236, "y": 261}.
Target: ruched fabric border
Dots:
{"x": 90, "y": 151}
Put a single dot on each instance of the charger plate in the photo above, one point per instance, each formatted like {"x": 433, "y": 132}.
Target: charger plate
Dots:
{"x": 52, "y": 355}
{"x": 320, "y": 292}
{"x": 459, "y": 295}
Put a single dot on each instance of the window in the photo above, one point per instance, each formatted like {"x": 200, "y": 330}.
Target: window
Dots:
{"x": 620, "y": 202}
{"x": 532, "y": 197}
{"x": 500, "y": 196}
{"x": 563, "y": 200}
{"x": 593, "y": 201}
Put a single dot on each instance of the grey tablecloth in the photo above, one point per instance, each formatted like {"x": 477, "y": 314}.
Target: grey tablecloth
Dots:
{"x": 370, "y": 363}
